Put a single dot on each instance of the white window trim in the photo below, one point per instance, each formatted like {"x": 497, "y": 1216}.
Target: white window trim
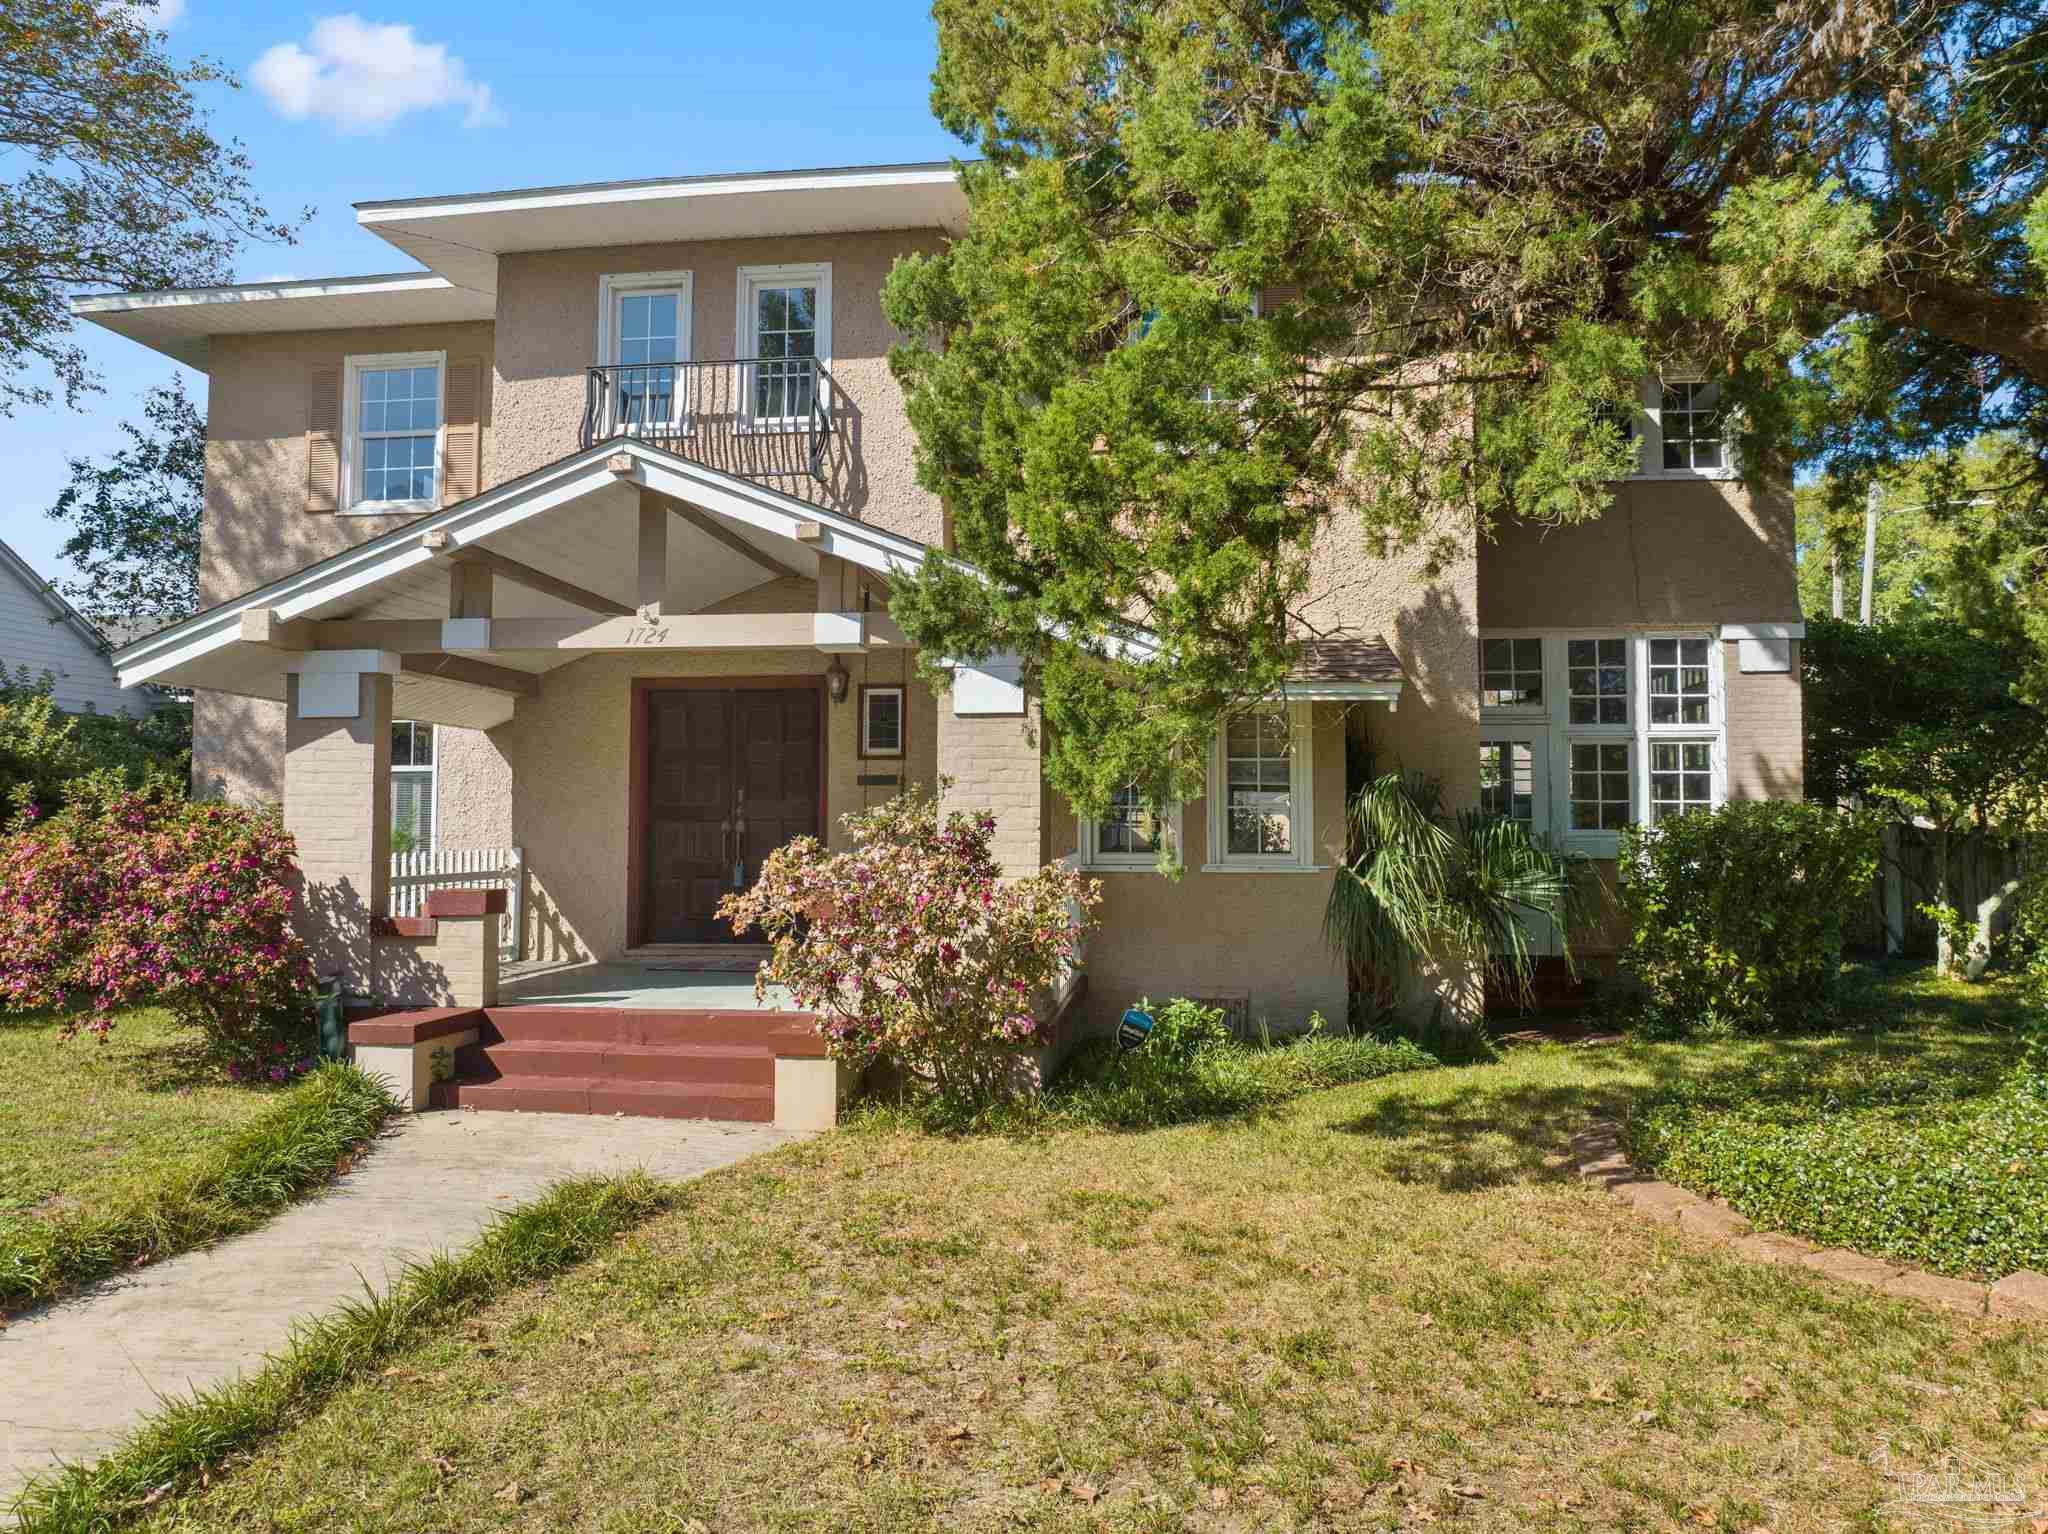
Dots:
{"x": 1555, "y": 723}
{"x": 867, "y": 748}
{"x": 1132, "y": 862}
{"x": 432, "y": 773}
{"x": 352, "y": 440}
{"x": 1535, "y": 738}
{"x": 1301, "y": 780}
{"x": 745, "y": 310}
{"x": 1510, "y": 712}
{"x": 613, "y": 286}
{"x": 1650, "y": 434}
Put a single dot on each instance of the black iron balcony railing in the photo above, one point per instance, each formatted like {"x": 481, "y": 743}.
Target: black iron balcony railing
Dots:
{"x": 766, "y": 417}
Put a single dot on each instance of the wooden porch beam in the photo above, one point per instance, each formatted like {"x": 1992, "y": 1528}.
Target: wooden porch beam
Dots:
{"x": 263, "y": 626}
{"x": 716, "y": 530}
{"x": 472, "y": 673}
{"x": 683, "y": 631}
{"x": 653, "y": 576}
{"x": 538, "y": 580}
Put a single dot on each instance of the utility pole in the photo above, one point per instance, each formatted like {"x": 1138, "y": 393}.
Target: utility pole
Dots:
{"x": 1835, "y": 578}
{"x": 1869, "y": 549}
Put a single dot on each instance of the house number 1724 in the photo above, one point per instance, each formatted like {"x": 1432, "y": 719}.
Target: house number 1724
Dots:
{"x": 647, "y": 634}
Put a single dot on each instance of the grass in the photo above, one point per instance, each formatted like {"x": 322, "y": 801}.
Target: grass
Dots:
{"x": 1379, "y": 1305}
{"x": 114, "y": 1157}
{"x": 1921, "y": 1142}
{"x": 80, "y": 1122}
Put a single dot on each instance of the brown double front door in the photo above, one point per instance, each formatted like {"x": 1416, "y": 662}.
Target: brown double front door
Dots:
{"x": 732, "y": 774}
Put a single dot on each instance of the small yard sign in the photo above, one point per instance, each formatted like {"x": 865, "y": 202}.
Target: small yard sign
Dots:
{"x": 1134, "y": 1030}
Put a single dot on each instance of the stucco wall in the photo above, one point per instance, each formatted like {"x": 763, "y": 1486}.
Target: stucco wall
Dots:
{"x": 547, "y": 336}
{"x": 1693, "y": 552}
{"x": 1256, "y": 936}
{"x": 256, "y": 526}
{"x": 568, "y": 752}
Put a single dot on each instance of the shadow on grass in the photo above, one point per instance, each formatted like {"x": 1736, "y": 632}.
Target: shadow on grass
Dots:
{"x": 1483, "y": 1135}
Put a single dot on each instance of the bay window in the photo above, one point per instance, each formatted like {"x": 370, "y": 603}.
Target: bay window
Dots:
{"x": 1633, "y": 731}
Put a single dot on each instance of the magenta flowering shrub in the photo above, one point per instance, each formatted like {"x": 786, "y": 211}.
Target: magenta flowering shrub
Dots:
{"x": 911, "y": 943}
{"x": 145, "y": 897}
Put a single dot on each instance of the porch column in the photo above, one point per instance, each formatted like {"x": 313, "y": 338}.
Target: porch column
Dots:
{"x": 988, "y": 744}
{"x": 337, "y": 805}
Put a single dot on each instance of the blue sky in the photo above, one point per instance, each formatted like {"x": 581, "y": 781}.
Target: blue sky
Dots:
{"x": 336, "y": 107}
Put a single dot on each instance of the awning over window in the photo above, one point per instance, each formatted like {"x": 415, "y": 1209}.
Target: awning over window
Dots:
{"x": 1347, "y": 668}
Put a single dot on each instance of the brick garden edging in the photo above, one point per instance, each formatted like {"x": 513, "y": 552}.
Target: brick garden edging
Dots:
{"x": 1597, "y": 1152}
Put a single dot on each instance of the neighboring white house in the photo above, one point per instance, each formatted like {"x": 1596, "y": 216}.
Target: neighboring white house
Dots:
{"x": 42, "y": 631}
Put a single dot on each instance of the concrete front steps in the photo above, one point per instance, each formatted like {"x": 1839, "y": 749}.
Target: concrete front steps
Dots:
{"x": 737, "y": 1067}
{"x": 674, "y": 1065}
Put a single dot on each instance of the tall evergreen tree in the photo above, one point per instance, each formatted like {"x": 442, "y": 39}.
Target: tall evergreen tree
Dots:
{"x": 1493, "y": 217}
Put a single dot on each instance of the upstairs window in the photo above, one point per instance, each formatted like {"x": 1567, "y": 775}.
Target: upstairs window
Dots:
{"x": 785, "y": 322}
{"x": 1689, "y": 427}
{"x": 393, "y": 419}
{"x": 1680, "y": 692}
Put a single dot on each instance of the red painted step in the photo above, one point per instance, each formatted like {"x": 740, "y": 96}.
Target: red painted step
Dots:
{"x": 666, "y": 1064}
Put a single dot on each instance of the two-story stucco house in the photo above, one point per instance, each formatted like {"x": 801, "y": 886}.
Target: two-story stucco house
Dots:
{"x": 612, "y": 492}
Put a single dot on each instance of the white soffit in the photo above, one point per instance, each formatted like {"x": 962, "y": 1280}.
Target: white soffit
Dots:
{"x": 179, "y": 322}
{"x": 461, "y": 237}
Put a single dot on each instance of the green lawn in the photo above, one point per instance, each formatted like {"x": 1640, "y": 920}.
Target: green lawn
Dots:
{"x": 82, "y": 1123}
{"x": 1381, "y": 1306}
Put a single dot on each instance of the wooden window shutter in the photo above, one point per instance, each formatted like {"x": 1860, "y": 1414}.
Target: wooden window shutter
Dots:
{"x": 1278, "y": 296}
{"x": 323, "y": 440}
{"x": 462, "y": 436}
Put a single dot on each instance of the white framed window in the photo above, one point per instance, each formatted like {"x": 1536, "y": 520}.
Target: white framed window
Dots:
{"x": 1507, "y": 781}
{"x": 391, "y": 430}
{"x": 1681, "y": 430}
{"x": 1601, "y": 789}
{"x": 1633, "y": 728}
{"x": 784, "y": 327}
{"x": 415, "y": 785}
{"x": 643, "y": 332}
{"x": 1681, "y": 777}
{"x": 1511, "y": 673}
{"x": 1129, "y": 834}
{"x": 1596, "y": 680}
{"x": 882, "y": 721}
{"x": 1260, "y": 812}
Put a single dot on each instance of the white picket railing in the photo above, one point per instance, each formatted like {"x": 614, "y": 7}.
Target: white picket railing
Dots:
{"x": 464, "y": 868}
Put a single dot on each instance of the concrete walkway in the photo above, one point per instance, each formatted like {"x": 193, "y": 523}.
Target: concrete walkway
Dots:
{"x": 76, "y": 1376}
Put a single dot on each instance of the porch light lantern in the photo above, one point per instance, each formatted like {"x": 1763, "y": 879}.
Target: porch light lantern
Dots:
{"x": 836, "y": 679}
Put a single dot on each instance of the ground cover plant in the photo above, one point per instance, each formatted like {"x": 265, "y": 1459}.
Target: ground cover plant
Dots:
{"x": 1383, "y": 1305}
{"x": 1939, "y": 1157}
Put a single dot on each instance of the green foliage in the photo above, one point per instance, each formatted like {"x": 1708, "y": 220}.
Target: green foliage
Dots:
{"x": 1425, "y": 889}
{"x": 1491, "y": 222}
{"x": 1191, "y": 1067}
{"x": 114, "y": 178}
{"x": 1919, "y": 717}
{"x": 186, "y": 1435}
{"x": 287, "y": 1151}
{"x": 1736, "y": 916}
{"x": 135, "y": 518}
{"x": 1900, "y": 1164}
{"x": 48, "y": 756}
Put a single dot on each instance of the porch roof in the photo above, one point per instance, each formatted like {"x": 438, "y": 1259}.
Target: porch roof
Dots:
{"x": 572, "y": 522}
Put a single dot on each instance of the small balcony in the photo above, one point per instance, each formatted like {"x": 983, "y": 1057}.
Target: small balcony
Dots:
{"x": 761, "y": 417}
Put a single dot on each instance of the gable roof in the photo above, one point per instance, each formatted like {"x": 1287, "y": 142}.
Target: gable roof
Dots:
{"x": 60, "y": 609}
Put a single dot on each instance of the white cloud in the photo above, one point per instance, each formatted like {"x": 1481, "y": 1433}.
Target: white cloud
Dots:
{"x": 363, "y": 75}
{"x": 160, "y": 16}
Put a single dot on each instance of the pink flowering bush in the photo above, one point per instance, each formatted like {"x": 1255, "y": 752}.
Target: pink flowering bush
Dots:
{"x": 911, "y": 944}
{"x": 144, "y": 896}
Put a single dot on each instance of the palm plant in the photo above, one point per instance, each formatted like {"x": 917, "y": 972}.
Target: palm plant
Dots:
{"x": 1451, "y": 892}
